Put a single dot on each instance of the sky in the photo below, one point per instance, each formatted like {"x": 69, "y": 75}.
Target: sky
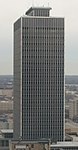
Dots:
{"x": 11, "y": 10}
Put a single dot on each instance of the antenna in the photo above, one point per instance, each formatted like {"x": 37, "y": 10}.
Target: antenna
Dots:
{"x": 48, "y": 4}
{"x": 32, "y": 3}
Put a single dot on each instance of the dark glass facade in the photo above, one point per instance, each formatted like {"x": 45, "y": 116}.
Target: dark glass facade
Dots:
{"x": 39, "y": 78}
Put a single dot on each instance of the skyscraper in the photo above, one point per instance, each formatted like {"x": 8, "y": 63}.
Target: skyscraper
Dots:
{"x": 39, "y": 76}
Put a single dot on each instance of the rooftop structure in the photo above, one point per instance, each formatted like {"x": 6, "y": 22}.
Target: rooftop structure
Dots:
{"x": 38, "y": 11}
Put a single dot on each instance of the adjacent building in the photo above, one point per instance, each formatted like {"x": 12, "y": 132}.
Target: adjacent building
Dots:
{"x": 64, "y": 146}
{"x": 73, "y": 108}
{"x": 29, "y": 145}
{"x": 6, "y": 106}
{"x": 39, "y": 76}
{"x": 6, "y": 135}
{"x": 41, "y": 145}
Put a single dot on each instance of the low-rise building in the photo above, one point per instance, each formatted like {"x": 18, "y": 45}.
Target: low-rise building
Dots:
{"x": 71, "y": 127}
{"x": 29, "y": 145}
{"x": 73, "y": 108}
{"x": 64, "y": 146}
{"x": 4, "y": 144}
{"x": 5, "y": 136}
{"x": 6, "y": 106}
{"x": 4, "y": 124}
{"x": 7, "y": 133}
{"x": 42, "y": 145}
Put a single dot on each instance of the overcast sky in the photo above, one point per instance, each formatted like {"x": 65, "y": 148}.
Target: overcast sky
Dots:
{"x": 11, "y": 10}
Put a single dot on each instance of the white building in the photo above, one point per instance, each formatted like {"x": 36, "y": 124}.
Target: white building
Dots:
{"x": 64, "y": 146}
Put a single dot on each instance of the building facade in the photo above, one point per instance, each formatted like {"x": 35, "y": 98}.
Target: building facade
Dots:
{"x": 39, "y": 76}
{"x": 5, "y": 137}
{"x": 64, "y": 146}
{"x": 29, "y": 145}
{"x": 73, "y": 108}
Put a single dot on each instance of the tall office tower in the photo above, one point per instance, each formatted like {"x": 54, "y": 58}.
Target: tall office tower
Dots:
{"x": 39, "y": 76}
